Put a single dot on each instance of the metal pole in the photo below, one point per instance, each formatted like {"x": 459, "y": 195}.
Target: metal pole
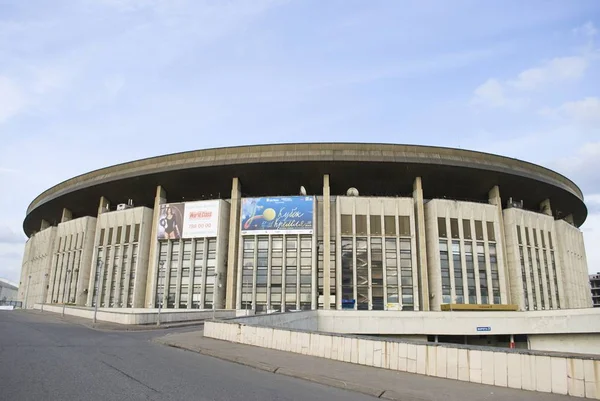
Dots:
{"x": 99, "y": 266}
{"x": 27, "y": 291}
{"x": 43, "y": 300}
{"x": 161, "y": 299}
{"x": 65, "y": 290}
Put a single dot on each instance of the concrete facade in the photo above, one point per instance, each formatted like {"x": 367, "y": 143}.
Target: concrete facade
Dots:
{"x": 397, "y": 242}
{"x": 35, "y": 271}
{"x": 71, "y": 261}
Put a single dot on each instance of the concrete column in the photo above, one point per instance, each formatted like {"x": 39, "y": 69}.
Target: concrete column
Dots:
{"x": 159, "y": 199}
{"x": 569, "y": 219}
{"x": 66, "y": 215}
{"x": 44, "y": 224}
{"x": 421, "y": 244}
{"x": 495, "y": 199}
{"x": 234, "y": 235}
{"x": 545, "y": 207}
{"x": 326, "y": 242}
{"x": 104, "y": 205}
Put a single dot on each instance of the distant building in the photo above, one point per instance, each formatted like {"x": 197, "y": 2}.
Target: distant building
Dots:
{"x": 595, "y": 288}
{"x": 8, "y": 292}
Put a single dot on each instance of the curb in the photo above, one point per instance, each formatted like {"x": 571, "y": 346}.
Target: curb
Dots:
{"x": 324, "y": 380}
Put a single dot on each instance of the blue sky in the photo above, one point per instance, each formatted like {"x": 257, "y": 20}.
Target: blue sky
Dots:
{"x": 89, "y": 83}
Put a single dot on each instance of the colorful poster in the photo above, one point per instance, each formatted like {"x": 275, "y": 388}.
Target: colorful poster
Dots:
{"x": 188, "y": 220}
{"x": 170, "y": 221}
{"x": 278, "y": 215}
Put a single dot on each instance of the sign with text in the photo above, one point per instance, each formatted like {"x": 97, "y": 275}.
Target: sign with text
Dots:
{"x": 484, "y": 328}
{"x": 188, "y": 220}
{"x": 278, "y": 215}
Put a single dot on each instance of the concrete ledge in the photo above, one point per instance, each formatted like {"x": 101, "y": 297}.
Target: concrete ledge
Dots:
{"x": 549, "y": 372}
{"x": 129, "y": 316}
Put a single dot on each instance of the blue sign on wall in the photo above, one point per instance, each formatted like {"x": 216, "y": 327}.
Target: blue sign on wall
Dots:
{"x": 278, "y": 215}
{"x": 486, "y": 328}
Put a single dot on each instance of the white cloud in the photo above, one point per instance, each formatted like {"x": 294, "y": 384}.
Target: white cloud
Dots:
{"x": 552, "y": 72}
{"x": 12, "y": 99}
{"x": 491, "y": 93}
{"x": 586, "y": 110}
{"x": 588, "y": 29}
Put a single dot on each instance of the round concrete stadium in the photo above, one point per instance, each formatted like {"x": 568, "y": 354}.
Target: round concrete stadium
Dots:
{"x": 310, "y": 226}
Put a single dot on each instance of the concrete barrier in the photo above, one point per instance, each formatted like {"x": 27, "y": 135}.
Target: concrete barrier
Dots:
{"x": 141, "y": 316}
{"x": 551, "y": 372}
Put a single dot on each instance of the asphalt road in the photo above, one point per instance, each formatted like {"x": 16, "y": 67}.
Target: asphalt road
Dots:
{"x": 45, "y": 358}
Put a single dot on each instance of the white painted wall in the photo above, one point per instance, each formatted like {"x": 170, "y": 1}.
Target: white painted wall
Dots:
{"x": 575, "y": 270}
{"x": 578, "y": 343}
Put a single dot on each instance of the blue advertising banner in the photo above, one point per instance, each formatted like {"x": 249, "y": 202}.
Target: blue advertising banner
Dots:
{"x": 278, "y": 215}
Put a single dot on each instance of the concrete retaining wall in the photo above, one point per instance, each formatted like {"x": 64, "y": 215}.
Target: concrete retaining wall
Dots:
{"x": 139, "y": 315}
{"x": 572, "y": 374}
{"x": 306, "y": 320}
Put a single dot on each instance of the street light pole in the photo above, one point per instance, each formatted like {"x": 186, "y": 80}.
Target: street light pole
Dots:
{"x": 161, "y": 299}
{"x": 68, "y": 282}
{"x": 98, "y": 266}
{"x": 27, "y": 291}
{"x": 43, "y": 300}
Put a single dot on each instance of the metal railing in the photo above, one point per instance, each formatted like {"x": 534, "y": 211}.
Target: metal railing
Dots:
{"x": 16, "y": 304}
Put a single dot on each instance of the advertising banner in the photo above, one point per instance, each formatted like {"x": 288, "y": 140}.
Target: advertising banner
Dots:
{"x": 188, "y": 220}
{"x": 201, "y": 219}
{"x": 278, "y": 215}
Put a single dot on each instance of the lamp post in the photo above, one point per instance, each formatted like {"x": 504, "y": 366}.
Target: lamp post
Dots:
{"x": 68, "y": 282}
{"x": 216, "y": 285}
{"x": 43, "y": 300}
{"x": 98, "y": 266}
{"x": 161, "y": 299}
{"x": 27, "y": 291}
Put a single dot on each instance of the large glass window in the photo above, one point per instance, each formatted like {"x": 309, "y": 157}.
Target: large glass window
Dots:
{"x": 362, "y": 274}
{"x": 406, "y": 274}
{"x": 524, "y": 278}
{"x": 347, "y": 269}
{"x": 445, "y": 270}
{"x": 391, "y": 272}
{"x": 483, "y": 283}
{"x": 495, "y": 276}
{"x": 291, "y": 273}
{"x": 377, "y": 273}
{"x": 470, "y": 267}
{"x": 458, "y": 274}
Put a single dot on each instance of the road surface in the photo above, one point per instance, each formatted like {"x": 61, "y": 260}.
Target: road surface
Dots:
{"x": 45, "y": 358}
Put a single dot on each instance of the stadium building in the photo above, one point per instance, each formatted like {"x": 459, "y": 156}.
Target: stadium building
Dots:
{"x": 311, "y": 226}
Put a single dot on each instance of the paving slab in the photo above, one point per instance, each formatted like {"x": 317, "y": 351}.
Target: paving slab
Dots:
{"x": 381, "y": 383}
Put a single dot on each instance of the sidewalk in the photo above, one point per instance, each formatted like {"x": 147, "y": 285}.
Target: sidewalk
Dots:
{"x": 109, "y": 326}
{"x": 380, "y": 383}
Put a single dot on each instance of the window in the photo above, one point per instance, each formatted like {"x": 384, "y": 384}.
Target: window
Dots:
{"x": 110, "y": 235}
{"x": 119, "y": 231}
{"x": 101, "y": 238}
{"x": 404, "y": 224}
{"x": 346, "y": 222}
{"x": 375, "y": 221}
{"x": 406, "y": 274}
{"x": 442, "y": 227}
{"x": 490, "y": 231}
{"x": 470, "y": 268}
{"x": 524, "y": 277}
{"x": 445, "y": 271}
{"x": 458, "y": 275}
{"x": 478, "y": 230}
{"x": 494, "y": 272}
{"x": 481, "y": 265}
{"x": 361, "y": 224}
{"x": 454, "y": 228}
{"x": 466, "y": 229}
{"x": 127, "y": 233}
{"x": 390, "y": 225}
{"x": 347, "y": 269}
{"x": 519, "y": 235}
{"x": 136, "y": 233}
{"x": 377, "y": 273}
